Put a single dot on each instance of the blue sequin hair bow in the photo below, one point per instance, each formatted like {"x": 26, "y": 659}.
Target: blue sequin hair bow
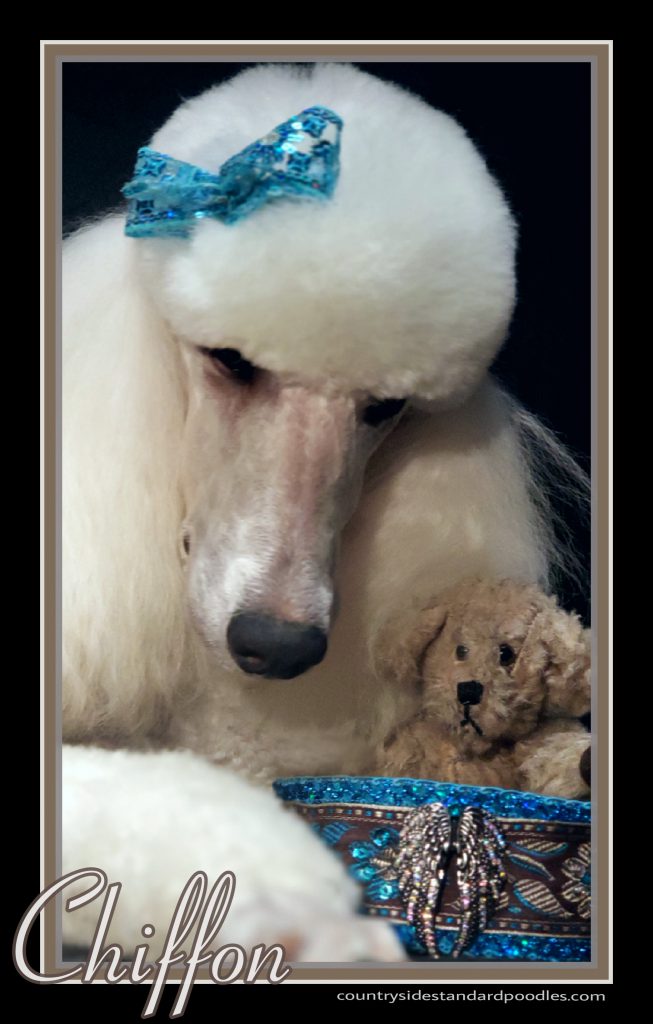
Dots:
{"x": 300, "y": 158}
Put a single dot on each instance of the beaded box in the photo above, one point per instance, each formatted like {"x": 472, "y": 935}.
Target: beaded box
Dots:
{"x": 540, "y": 910}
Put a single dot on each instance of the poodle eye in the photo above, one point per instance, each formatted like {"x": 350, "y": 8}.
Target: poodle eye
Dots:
{"x": 230, "y": 359}
{"x": 385, "y": 409}
{"x": 506, "y": 655}
{"x": 462, "y": 652}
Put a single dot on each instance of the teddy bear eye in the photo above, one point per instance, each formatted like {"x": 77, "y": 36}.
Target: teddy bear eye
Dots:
{"x": 506, "y": 655}
{"x": 462, "y": 652}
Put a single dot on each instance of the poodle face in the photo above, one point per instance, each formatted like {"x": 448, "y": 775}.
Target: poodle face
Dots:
{"x": 294, "y": 456}
{"x": 400, "y": 285}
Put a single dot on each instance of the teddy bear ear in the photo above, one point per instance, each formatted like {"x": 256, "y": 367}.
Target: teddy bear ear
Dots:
{"x": 400, "y": 646}
{"x": 567, "y": 672}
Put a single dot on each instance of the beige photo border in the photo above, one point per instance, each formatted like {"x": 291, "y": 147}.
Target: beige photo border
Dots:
{"x": 599, "y": 55}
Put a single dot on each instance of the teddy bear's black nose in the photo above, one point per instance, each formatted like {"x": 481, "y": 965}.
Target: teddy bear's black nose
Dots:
{"x": 470, "y": 692}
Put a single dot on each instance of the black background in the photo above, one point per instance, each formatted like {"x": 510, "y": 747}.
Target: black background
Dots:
{"x": 530, "y": 120}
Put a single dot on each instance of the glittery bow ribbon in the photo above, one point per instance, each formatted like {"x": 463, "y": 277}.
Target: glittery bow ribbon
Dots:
{"x": 300, "y": 158}
{"x": 426, "y": 843}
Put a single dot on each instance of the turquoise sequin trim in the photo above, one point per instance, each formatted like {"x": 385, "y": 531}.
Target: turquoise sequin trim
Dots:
{"x": 299, "y": 158}
{"x": 504, "y": 803}
{"x": 544, "y": 914}
{"x": 514, "y": 947}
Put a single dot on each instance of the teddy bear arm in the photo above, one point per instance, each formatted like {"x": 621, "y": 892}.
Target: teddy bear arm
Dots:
{"x": 549, "y": 761}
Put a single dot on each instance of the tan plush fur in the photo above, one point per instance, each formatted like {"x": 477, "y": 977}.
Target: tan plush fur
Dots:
{"x": 532, "y": 660}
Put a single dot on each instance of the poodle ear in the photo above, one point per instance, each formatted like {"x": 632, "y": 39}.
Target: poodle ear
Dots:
{"x": 567, "y": 671}
{"x": 123, "y": 383}
{"x": 400, "y": 647}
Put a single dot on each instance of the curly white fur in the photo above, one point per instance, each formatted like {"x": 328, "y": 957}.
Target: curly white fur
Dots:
{"x": 401, "y": 286}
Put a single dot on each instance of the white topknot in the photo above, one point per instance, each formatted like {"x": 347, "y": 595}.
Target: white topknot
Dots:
{"x": 402, "y": 284}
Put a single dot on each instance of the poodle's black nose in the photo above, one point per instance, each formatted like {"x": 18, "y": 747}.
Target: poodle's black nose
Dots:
{"x": 470, "y": 692}
{"x": 264, "y": 646}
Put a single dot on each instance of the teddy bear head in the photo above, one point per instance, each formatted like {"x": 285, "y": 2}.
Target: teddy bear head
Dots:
{"x": 493, "y": 659}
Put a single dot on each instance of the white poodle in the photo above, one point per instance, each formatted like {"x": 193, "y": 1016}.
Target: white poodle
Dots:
{"x": 246, "y": 495}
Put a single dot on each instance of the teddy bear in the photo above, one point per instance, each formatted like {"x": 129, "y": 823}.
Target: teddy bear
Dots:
{"x": 502, "y": 676}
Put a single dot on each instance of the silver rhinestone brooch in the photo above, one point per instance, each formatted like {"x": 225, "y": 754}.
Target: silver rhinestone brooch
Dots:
{"x": 429, "y": 839}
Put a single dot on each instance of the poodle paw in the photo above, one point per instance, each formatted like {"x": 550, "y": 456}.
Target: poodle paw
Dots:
{"x": 310, "y": 933}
